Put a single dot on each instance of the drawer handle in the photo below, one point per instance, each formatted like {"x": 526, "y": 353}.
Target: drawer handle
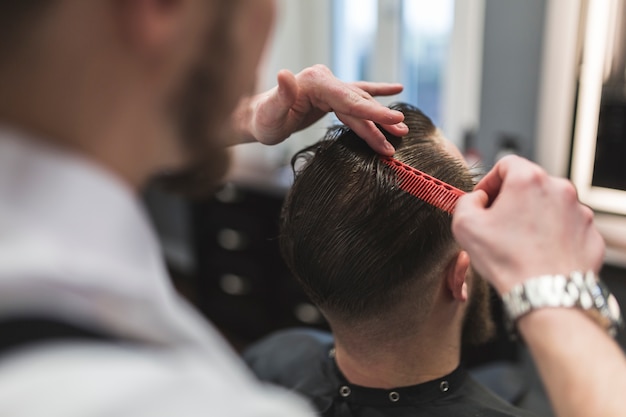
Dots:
{"x": 228, "y": 194}
{"x": 235, "y": 285}
{"x": 308, "y": 313}
{"x": 230, "y": 239}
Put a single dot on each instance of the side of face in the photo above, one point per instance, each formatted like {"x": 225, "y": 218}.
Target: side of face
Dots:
{"x": 227, "y": 38}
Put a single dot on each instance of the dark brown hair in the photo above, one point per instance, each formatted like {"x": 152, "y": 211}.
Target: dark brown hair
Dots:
{"x": 351, "y": 237}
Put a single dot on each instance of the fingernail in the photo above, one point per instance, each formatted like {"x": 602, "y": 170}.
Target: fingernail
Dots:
{"x": 402, "y": 125}
{"x": 389, "y": 147}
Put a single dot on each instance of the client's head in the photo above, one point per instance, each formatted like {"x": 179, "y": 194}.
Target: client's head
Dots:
{"x": 368, "y": 253}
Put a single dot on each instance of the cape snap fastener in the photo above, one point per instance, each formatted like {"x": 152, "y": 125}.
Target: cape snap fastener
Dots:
{"x": 394, "y": 396}
{"x": 344, "y": 391}
{"x": 444, "y": 386}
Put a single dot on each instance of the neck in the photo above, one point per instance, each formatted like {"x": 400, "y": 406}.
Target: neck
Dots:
{"x": 399, "y": 357}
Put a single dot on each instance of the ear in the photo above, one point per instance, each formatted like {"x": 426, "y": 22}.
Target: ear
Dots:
{"x": 456, "y": 276}
{"x": 150, "y": 26}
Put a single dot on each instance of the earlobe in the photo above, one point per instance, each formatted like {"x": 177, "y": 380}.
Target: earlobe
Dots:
{"x": 464, "y": 291}
{"x": 457, "y": 276}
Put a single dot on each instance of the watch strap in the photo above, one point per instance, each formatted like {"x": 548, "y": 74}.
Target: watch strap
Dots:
{"x": 583, "y": 290}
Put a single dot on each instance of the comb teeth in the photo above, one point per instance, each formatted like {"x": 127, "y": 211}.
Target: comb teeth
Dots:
{"x": 421, "y": 185}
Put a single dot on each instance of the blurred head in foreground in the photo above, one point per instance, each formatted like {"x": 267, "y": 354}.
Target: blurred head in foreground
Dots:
{"x": 143, "y": 87}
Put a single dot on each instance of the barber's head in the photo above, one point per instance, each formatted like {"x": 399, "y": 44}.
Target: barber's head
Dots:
{"x": 365, "y": 250}
{"x": 162, "y": 73}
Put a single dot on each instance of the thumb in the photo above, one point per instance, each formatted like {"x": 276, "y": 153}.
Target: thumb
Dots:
{"x": 476, "y": 200}
{"x": 287, "y": 89}
{"x": 271, "y": 119}
{"x": 273, "y": 109}
{"x": 467, "y": 210}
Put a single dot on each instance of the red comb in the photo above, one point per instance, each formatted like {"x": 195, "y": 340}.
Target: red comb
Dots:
{"x": 429, "y": 189}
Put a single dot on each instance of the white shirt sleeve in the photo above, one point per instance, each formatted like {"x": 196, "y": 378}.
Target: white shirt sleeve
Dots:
{"x": 86, "y": 379}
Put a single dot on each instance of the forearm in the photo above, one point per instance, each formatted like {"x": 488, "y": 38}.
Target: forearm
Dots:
{"x": 583, "y": 369}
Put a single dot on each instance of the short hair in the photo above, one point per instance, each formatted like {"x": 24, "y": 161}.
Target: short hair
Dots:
{"x": 352, "y": 238}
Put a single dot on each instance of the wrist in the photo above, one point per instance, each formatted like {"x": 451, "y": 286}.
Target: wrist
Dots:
{"x": 241, "y": 121}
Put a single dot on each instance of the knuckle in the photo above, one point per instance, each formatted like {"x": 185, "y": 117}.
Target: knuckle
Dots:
{"x": 567, "y": 190}
{"x": 536, "y": 175}
{"x": 510, "y": 159}
{"x": 532, "y": 177}
{"x": 316, "y": 71}
{"x": 587, "y": 214}
{"x": 321, "y": 68}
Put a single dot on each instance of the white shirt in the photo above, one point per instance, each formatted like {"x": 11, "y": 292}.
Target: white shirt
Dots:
{"x": 75, "y": 244}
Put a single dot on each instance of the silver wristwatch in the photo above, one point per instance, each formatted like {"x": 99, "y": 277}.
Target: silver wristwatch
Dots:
{"x": 578, "y": 290}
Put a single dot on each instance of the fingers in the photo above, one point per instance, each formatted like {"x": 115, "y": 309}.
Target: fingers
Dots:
{"x": 353, "y": 103}
{"x": 300, "y": 100}
{"x": 360, "y": 112}
{"x": 511, "y": 166}
{"x": 520, "y": 222}
{"x": 492, "y": 181}
{"x": 361, "y": 117}
{"x": 399, "y": 129}
{"x": 379, "y": 89}
{"x": 370, "y": 133}
{"x": 476, "y": 200}
{"x": 348, "y": 98}
{"x": 466, "y": 212}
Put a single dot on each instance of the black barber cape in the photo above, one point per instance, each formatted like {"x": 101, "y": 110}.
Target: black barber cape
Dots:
{"x": 302, "y": 360}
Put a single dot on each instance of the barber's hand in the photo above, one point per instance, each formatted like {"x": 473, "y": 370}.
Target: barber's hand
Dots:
{"x": 519, "y": 223}
{"x": 300, "y": 100}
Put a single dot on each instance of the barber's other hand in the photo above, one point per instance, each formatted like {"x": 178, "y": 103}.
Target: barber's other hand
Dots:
{"x": 300, "y": 100}
{"x": 519, "y": 222}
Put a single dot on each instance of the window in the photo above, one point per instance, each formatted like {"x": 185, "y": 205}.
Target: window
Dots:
{"x": 395, "y": 40}
{"x": 355, "y": 24}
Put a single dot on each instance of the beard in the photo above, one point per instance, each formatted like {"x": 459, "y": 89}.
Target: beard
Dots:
{"x": 202, "y": 111}
{"x": 478, "y": 326}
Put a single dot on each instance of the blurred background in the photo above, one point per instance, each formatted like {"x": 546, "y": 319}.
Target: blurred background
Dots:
{"x": 544, "y": 79}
